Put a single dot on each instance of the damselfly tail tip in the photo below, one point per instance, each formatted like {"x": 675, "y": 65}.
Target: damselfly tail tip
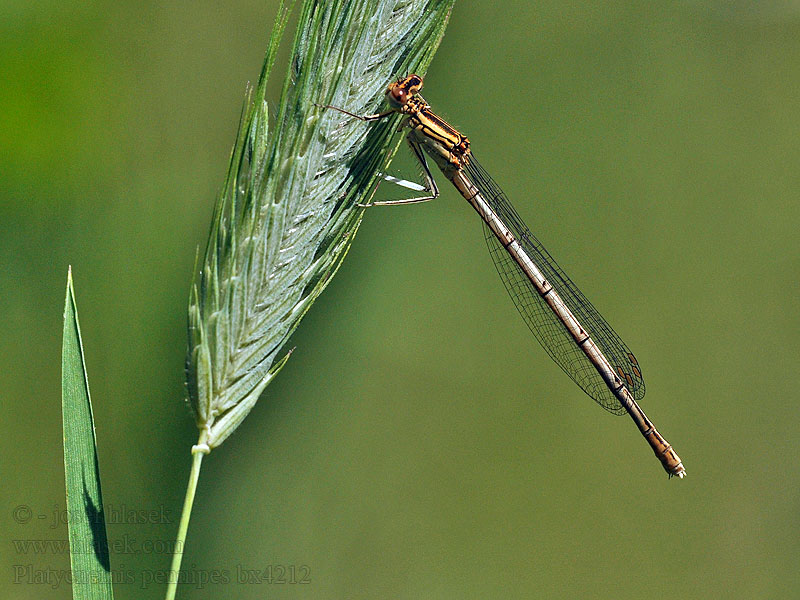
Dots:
{"x": 671, "y": 462}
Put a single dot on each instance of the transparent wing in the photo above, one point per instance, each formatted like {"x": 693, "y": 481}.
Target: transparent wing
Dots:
{"x": 542, "y": 321}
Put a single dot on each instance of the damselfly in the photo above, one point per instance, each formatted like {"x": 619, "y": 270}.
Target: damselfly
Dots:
{"x": 566, "y": 324}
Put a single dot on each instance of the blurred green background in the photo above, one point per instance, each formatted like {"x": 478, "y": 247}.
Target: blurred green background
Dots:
{"x": 404, "y": 452}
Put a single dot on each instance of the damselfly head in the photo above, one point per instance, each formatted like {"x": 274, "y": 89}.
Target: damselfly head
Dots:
{"x": 401, "y": 90}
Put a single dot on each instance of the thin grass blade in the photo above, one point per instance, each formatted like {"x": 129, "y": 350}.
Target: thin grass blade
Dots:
{"x": 89, "y": 558}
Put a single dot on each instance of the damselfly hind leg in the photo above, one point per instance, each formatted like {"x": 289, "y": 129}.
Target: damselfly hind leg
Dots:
{"x": 428, "y": 185}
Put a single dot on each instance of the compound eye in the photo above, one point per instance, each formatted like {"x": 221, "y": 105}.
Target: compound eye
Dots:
{"x": 398, "y": 95}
